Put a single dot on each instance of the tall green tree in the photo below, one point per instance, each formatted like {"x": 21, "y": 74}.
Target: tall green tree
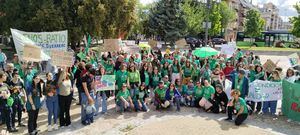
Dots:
{"x": 227, "y": 15}
{"x": 119, "y": 18}
{"x": 194, "y": 13}
{"x": 167, "y": 20}
{"x": 296, "y": 21}
{"x": 254, "y": 24}
{"x": 215, "y": 19}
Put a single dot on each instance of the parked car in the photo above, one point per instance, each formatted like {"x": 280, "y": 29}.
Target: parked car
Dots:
{"x": 193, "y": 42}
{"x": 219, "y": 41}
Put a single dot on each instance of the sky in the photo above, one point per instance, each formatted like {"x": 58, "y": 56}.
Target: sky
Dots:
{"x": 286, "y": 8}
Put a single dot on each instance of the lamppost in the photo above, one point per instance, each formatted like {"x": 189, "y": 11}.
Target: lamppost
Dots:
{"x": 208, "y": 7}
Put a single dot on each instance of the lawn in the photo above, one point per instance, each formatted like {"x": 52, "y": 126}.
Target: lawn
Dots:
{"x": 267, "y": 49}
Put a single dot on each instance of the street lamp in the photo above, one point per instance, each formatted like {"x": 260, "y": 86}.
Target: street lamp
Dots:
{"x": 208, "y": 6}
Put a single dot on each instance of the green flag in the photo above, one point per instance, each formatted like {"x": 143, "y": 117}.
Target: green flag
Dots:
{"x": 88, "y": 44}
{"x": 291, "y": 100}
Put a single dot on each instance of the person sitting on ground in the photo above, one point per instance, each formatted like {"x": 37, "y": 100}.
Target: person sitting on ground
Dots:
{"x": 239, "y": 104}
{"x": 220, "y": 100}
{"x": 173, "y": 96}
{"x": 208, "y": 95}
{"x": 160, "y": 96}
{"x": 124, "y": 100}
{"x": 139, "y": 98}
{"x": 189, "y": 95}
{"x": 198, "y": 93}
{"x": 90, "y": 111}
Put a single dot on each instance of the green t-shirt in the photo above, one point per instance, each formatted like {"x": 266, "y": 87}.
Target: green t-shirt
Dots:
{"x": 155, "y": 79}
{"x": 198, "y": 92}
{"x": 134, "y": 76}
{"x": 241, "y": 103}
{"x": 187, "y": 72}
{"x": 161, "y": 93}
{"x": 147, "y": 78}
{"x": 175, "y": 69}
{"x": 125, "y": 94}
{"x": 109, "y": 69}
{"x": 121, "y": 77}
{"x": 212, "y": 63}
{"x": 19, "y": 67}
{"x": 208, "y": 91}
{"x": 252, "y": 75}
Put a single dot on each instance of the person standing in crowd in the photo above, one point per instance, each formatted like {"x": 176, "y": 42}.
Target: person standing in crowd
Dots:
{"x": 64, "y": 98}
{"x": 9, "y": 71}
{"x": 19, "y": 96}
{"x": 79, "y": 74}
{"x": 134, "y": 79}
{"x": 259, "y": 75}
{"x": 241, "y": 83}
{"x": 173, "y": 96}
{"x": 239, "y": 104}
{"x": 33, "y": 104}
{"x": 6, "y": 104}
{"x": 3, "y": 59}
{"x": 290, "y": 75}
{"x": 50, "y": 93}
{"x": 206, "y": 73}
{"x": 270, "y": 106}
{"x": 124, "y": 101}
{"x": 175, "y": 70}
{"x": 187, "y": 71}
{"x": 101, "y": 95}
{"x": 119, "y": 63}
{"x": 144, "y": 75}
{"x": 88, "y": 93}
{"x": 165, "y": 70}
{"x": 18, "y": 65}
{"x": 121, "y": 77}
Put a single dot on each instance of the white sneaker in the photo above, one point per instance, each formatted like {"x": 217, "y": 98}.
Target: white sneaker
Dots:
{"x": 49, "y": 128}
{"x": 55, "y": 126}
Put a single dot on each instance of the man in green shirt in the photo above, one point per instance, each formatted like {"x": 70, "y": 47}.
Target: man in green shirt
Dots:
{"x": 160, "y": 96}
{"x": 124, "y": 100}
{"x": 121, "y": 76}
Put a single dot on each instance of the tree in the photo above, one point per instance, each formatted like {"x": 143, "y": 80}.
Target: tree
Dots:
{"x": 166, "y": 20}
{"x": 227, "y": 15}
{"x": 215, "y": 19}
{"x": 254, "y": 24}
{"x": 119, "y": 18}
{"x": 296, "y": 21}
{"x": 194, "y": 16}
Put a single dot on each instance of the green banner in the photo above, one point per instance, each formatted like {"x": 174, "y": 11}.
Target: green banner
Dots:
{"x": 291, "y": 100}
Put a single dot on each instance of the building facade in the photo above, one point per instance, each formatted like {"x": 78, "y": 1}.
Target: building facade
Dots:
{"x": 270, "y": 13}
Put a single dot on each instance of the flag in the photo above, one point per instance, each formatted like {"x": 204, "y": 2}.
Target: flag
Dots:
{"x": 88, "y": 44}
{"x": 290, "y": 101}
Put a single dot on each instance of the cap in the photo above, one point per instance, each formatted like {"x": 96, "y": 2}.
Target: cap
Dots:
{"x": 124, "y": 84}
{"x": 161, "y": 82}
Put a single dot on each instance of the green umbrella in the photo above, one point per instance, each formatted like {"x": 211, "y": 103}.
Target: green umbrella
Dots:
{"x": 205, "y": 52}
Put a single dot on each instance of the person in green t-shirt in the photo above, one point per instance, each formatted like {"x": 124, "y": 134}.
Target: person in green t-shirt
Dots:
{"x": 166, "y": 81}
{"x": 160, "y": 96}
{"x": 155, "y": 78}
{"x": 139, "y": 98}
{"x": 109, "y": 67}
{"x": 187, "y": 72}
{"x": 124, "y": 100}
{"x": 198, "y": 93}
{"x": 134, "y": 79}
{"x": 175, "y": 70}
{"x": 239, "y": 104}
{"x": 121, "y": 77}
{"x": 208, "y": 96}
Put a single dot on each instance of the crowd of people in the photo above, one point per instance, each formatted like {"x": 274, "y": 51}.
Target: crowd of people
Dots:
{"x": 171, "y": 80}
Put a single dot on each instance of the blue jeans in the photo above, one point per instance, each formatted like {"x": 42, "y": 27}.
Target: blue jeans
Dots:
{"x": 190, "y": 102}
{"x": 176, "y": 102}
{"x": 52, "y": 106}
{"x": 121, "y": 104}
{"x": 101, "y": 97}
{"x": 269, "y": 104}
{"x": 84, "y": 101}
{"x": 137, "y": 107}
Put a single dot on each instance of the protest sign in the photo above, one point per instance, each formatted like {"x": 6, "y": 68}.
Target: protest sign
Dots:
{"x": 105, "y": 82}
{"x": 32, "y": 53}
{"x": 62, "y": 58}
{"x": 228, "y": 85}
{"x": 294, "y": 59}
{"x": 291, "y": 100}
{"x": 181, "y": 43}
{"x": 269, "y": 66}
{"x": 111, "y": 45}
{"x": 264, "y": 91}
{"x": 152, "y": 43}
{"x": 129, "y": 42}
{"x": 228, "y": 49}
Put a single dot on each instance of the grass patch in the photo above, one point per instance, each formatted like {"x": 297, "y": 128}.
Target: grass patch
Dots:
{"x": 127, "y": 128}
{"x": 267, "y": 48}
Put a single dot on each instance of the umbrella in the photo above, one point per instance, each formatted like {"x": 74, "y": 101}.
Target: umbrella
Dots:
{"x": 144, "y": 45}
{"x": 205, "y": 52}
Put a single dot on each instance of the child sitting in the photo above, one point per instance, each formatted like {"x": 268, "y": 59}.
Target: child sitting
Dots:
{"x": 90, "y": 111}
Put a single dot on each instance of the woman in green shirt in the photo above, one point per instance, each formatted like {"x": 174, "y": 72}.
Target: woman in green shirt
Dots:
{"x": 134, "y": 79}
{"x": 144, "y": 75}
{"x": 187, "y": 72}
{"x": 121, "y": 77}
{"x": 124, "y": 100}
{"x": 175, "y": 70}
{"x": 198, "y": 93}
{"x": 239, "y": 104}
{"x": 155, "y": 78}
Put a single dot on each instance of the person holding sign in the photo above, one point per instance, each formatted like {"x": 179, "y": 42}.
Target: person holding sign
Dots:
{"x": 272, "y": 105}
{"x": 241, "y": 83}
{"x": 240, "y": 105}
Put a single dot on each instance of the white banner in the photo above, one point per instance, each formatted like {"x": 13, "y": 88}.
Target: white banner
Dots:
{"x": 228, "y": 85}
{"x": 46, "y": 40}
{"x": 264, "y": 91}
{"x": 228, "y": 49}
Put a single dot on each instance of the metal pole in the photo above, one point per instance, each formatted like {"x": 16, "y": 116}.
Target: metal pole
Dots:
{"x": 206, "y": 22}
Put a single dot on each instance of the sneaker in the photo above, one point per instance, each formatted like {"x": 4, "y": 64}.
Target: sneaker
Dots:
{"x": 49, "y": 128}
{"x": 12, "y": 130}
{"x": 228, "y": 119}
{"x": 62, "y": 127}
{"x": 21, "y": 125}
{"x": 55, "y": 126}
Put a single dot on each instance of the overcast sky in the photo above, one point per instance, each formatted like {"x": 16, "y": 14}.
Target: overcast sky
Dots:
{"x": 285, "y": 6}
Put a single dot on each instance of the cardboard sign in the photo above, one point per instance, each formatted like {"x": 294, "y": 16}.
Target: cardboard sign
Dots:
{"x": 269, "y": 66}
{"x": 62, "y": 58}
{"x": 105, "y": 82}
{"x": 181, "y": 43}
{"x": 152, "y": 43}
{"x": 111, "y": 45}
{"x": 294, "y": 59}
{"x": 32, "y": 53}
